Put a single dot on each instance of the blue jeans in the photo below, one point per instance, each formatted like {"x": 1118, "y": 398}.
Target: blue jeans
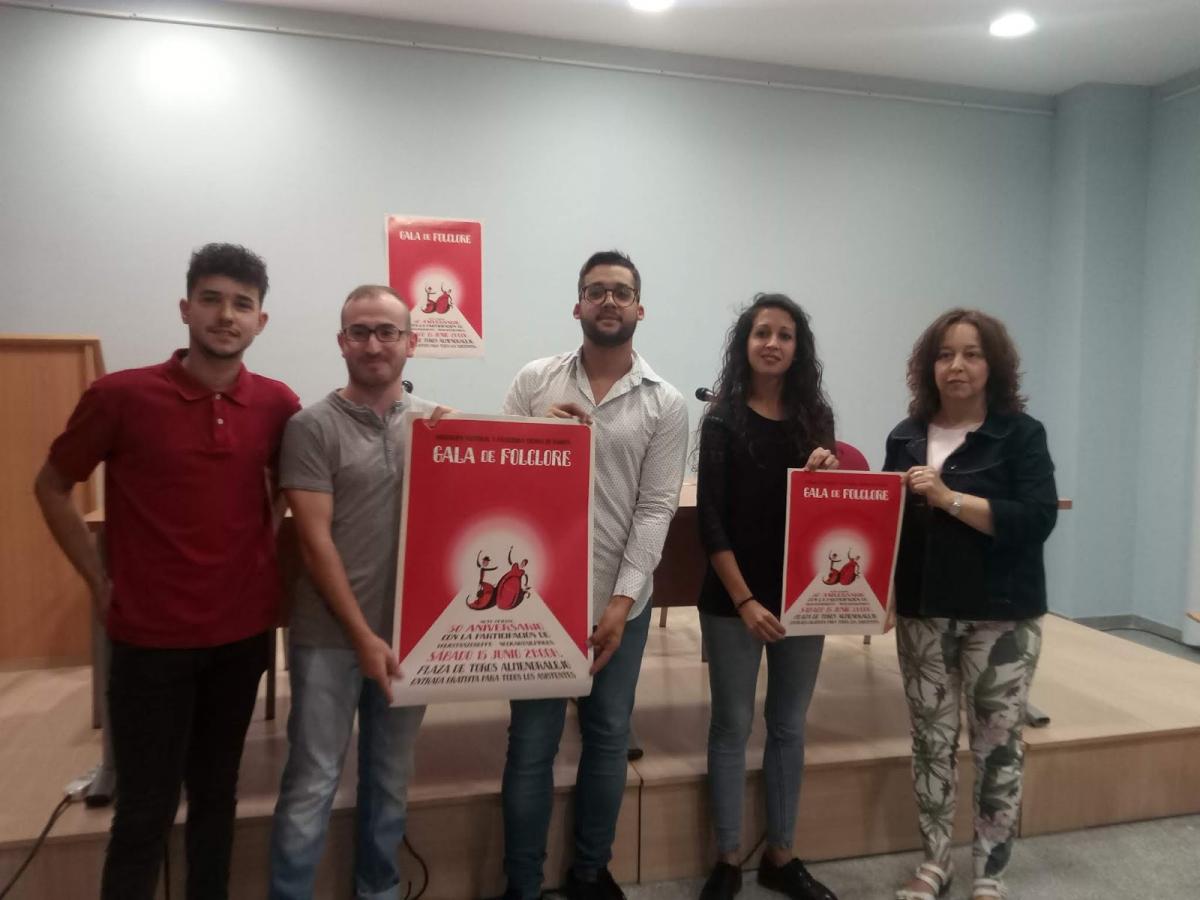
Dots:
{"x": 327, "y": 689}
{"x": 733, "y": 661}
{"x": 528, "y": 789}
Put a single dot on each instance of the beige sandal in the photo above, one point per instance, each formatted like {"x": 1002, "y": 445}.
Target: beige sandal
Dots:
{"x": 933, "y": 875}
{"x": 988, "y": 889}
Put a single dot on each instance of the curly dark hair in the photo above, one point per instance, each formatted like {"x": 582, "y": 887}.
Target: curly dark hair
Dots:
{"x": 232, "y": 261}
{"x": 1004, "y": 364}
{"x": 809, "y": 417}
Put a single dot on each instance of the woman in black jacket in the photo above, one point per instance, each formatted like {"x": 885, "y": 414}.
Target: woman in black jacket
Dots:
{"x": 970, "y": 583}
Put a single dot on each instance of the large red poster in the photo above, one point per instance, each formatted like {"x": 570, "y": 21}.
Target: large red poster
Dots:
{"x": 436, "y": 265}
{"x": 842, "y": 536}
{"x": 493, "y": 588}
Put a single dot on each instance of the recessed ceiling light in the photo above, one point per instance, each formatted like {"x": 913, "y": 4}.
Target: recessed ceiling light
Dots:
{"x": 1012, "y": 24}
{"x": 651, "y": 5}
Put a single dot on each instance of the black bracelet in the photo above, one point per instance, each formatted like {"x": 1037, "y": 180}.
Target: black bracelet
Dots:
{"x": 738, "y": 606}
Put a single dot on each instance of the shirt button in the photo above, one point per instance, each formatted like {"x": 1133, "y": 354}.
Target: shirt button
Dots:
{"x": 220, "y": 421}
{"x": 218, "y": 396}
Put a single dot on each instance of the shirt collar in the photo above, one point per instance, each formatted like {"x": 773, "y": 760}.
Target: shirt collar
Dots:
{"x": 995, "y": 426}
{"x": 365, "y": 413}
{"x": 640, "y": 370}
{"x": 191, "y": 389}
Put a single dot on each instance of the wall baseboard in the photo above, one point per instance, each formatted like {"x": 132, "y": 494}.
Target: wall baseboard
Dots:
{"x": 1107, "y": 623}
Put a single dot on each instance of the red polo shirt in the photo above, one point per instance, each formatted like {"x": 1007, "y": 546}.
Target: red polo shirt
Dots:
{"x": 191, "y": 550}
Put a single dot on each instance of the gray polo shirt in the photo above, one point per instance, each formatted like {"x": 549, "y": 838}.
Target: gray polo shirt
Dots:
{"x": 340, "y": 448}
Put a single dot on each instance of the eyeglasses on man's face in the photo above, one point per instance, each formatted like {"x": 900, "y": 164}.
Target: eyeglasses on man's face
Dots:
{"x": 385, "y": 333}
{"x": 623, "y": 295}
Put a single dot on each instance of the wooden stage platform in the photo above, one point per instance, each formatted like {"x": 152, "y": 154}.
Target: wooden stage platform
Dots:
{"x": 1123, "y": 744}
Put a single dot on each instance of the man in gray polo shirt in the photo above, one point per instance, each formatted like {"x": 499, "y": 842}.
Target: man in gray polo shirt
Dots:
{"x": 342, "y": 468}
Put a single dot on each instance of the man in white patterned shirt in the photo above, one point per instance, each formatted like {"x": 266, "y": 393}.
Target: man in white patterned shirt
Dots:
{"x": 641, "y": 432}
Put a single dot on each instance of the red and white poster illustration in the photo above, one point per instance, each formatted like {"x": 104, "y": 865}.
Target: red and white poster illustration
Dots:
{"x": 436, "y": 265}
{"x": 494, "y": 575}
{"x": 843, "y": 532}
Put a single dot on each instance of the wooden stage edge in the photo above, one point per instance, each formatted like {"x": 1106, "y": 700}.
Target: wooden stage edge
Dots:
{"x": 1123, "y": 745}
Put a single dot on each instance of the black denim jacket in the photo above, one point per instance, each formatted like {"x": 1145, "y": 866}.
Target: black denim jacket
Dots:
{"x": 948, "y": 569}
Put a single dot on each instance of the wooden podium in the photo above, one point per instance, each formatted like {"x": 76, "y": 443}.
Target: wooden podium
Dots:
{"x": 45, "y": 617}
{"x": 681, "y": 569}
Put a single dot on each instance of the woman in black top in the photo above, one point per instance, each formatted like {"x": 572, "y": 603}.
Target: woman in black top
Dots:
{"x": 770, "y": 414}
{"x": 970, "y": 585}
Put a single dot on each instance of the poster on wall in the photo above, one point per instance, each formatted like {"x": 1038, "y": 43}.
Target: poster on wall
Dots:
{"x": 494, "y": 572}
{"x": 436, "y": 265}
{"x": 843, "y": 532}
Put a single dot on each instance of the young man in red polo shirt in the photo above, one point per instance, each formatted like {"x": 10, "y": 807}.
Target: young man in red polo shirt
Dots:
{"x": 191, "y": 588}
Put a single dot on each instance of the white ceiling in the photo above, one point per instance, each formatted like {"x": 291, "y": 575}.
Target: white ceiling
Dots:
{"x": 1142, "y": 42}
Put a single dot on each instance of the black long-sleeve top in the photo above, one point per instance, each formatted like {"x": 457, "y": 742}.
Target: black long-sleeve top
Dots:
{"x": 741, "y": 503}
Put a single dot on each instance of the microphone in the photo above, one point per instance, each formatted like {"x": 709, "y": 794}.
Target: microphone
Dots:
{"x": 407, "y": 385}
{"x": 703, "y": 393}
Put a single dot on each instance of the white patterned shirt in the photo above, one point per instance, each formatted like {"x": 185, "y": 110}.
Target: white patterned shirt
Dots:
{"x": 641, "y": 435}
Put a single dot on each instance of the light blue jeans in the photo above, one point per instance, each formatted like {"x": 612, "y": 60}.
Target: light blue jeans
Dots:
{"x": 734, "y": 656}
{"x": 327, "y": 690}
{"x": 528, "y": 789}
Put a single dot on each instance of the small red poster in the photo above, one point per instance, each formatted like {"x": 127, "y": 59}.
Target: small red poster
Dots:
{"x": 436, "y": 265}
{"x": 494, "y": 575}
{"x": 843, "y": 532}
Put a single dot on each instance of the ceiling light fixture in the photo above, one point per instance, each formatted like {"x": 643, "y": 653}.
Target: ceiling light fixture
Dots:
{"x": 651, "y": 5}
{"x": 1012, "y": 24}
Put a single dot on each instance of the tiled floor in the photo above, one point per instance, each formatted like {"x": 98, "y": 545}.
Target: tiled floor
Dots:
{"x": 1145, "y": 860}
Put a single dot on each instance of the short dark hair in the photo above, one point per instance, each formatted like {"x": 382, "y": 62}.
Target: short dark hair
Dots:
{"x": 366, "y": 292}
{"x": 231, "y": 260}
{"x": 1004, "y": 364}
{"x": 610, "y": 258}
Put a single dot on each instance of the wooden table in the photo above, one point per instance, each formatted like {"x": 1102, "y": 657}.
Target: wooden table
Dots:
{"x": 677, "y": 579}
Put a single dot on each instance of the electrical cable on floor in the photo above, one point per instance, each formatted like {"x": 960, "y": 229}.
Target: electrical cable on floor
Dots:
{"x": 424, "y": 873}
{"x": 1145, "y": 631}
{"x": 58, "y": 811}
{"x": 762, "y": 840}
{"x": 167, "y": 866}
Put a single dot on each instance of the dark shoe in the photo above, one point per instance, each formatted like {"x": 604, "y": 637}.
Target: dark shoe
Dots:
{"x": 793, "y": 880}
{"x": 603, "y": 888}
{"x": 723, "y": 884}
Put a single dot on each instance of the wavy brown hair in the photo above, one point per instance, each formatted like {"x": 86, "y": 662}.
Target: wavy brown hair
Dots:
{"x": 1004, "y": 364}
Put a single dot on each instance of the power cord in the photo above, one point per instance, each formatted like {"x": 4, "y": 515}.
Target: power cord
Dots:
{"x": 41, "y": 838}
{"x": 167, "y": 866}
{"x": 424, "y": 873}
{"x": 762, "y": 840}
{"x": 76, "y": 790}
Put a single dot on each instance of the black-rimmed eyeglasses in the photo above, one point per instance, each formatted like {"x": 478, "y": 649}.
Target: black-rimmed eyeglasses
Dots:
{"x": 386, "y": 334}
{"x": 623, "y": 295}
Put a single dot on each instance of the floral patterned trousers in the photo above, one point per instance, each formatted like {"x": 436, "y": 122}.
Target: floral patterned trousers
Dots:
{"x": 990, "y": 665}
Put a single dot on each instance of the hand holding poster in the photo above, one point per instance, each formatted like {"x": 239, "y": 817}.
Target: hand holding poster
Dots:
{"x": 842, "y": 536}
{"x": 494, "y": 575}
{"x": 436, "y": 266}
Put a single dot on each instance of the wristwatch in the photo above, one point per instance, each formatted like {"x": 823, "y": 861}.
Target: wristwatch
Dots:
{"x": 956, "y": 506}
